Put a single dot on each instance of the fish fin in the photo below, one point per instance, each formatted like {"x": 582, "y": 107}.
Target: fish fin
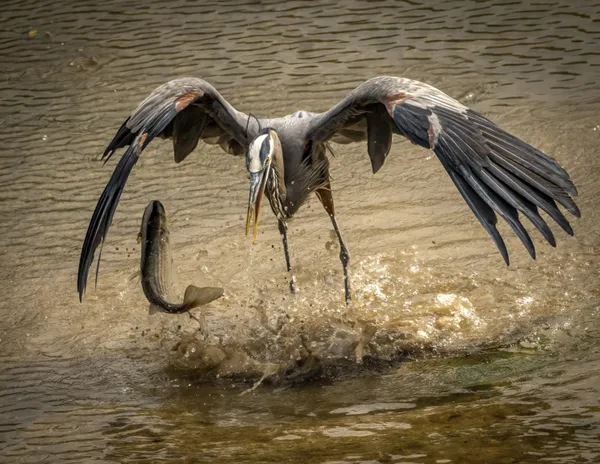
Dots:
{"x": 135, "y": 275}
{"x": 153, "y": 309}
{"x": 200, "y": 296}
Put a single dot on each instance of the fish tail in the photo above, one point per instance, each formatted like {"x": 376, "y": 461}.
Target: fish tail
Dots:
{"x": 200, "y": 296}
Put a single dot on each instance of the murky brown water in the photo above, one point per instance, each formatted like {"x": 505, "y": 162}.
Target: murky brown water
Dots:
{"x": 502, "y": 364}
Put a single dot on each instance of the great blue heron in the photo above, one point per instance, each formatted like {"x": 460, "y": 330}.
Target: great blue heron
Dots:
{"x": 495, "y": 172}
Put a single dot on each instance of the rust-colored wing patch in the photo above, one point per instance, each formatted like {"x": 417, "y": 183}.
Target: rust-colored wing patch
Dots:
{"x": 391, "y": 100}
{"x": 182, "y": 102}
{"x": 143, "y": 138}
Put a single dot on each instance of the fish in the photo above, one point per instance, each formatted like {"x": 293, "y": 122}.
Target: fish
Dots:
{"x": 155, "y": 266}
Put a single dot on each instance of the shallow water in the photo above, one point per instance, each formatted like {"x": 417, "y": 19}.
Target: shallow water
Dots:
{"x": 465, "y": 360}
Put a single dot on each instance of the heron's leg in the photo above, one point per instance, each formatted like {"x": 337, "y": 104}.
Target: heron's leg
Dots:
{"x": 326, "y": 198}
{"x": 283, "y": 232}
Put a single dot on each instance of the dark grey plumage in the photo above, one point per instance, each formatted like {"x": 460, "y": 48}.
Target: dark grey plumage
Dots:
{"x": 496, "y": 173}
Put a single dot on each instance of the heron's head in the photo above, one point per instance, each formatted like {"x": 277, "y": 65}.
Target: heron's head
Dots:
{"x": 260, "y": 159}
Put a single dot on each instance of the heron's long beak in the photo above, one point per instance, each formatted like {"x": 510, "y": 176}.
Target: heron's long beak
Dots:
{"x": 258, "y": 182}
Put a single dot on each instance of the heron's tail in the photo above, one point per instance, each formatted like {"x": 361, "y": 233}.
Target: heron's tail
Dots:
{"x": 200, "y": 296}
{"x": 105, "y": 209}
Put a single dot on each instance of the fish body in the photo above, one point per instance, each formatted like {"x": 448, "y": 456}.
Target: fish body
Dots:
{"x": 155, "y": 266}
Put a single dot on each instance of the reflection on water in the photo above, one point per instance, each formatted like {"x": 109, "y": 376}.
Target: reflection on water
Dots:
{"x": 502, "y": 363}
{"x": 495, "y": 407}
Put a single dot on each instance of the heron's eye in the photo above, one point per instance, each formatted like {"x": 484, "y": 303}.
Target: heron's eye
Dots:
{"x": 258, "y": 151}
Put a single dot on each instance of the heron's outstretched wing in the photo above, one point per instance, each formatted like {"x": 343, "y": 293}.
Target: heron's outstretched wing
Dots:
{"x": 495, "y": 172}
{"x": 185, "y": 110}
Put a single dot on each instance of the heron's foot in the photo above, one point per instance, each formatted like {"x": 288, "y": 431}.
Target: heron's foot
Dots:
{"x": 293, "y": 284}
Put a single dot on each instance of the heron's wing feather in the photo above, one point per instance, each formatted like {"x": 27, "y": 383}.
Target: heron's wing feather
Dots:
{"x": 105, "y": 209}
{"x": 185, "y": 110}
{"x": 496, "y": 173}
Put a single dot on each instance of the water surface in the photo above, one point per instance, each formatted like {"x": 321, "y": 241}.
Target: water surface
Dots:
{"x": 469, "y": 361}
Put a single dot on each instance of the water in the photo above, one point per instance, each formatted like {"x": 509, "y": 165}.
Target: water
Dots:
{"x": 465, "y": 360}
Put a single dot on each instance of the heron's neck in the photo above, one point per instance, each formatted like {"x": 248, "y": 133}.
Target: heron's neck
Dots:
{"x": 277, "y": 193}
